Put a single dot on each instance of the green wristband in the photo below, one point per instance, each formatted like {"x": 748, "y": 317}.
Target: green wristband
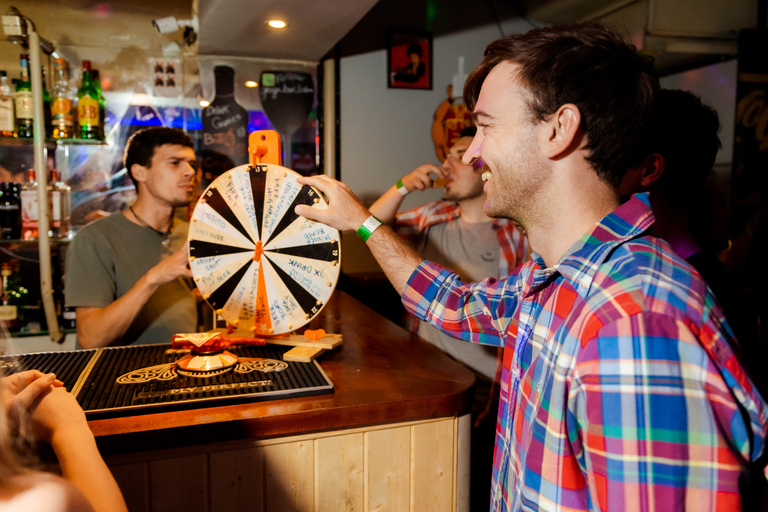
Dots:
{"x": 368, "y": 227}
{"x": 401, "y": 188}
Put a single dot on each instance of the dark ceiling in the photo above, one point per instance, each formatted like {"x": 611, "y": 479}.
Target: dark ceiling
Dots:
{"x": 439, "y": 17}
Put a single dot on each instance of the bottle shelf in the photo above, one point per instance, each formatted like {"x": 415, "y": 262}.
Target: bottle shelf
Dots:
{"x": 54, "y": 240}
{"x": 19, "y": 141}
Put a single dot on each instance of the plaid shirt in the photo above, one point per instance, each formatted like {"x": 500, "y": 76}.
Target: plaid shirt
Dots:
{"x": 413, "y": 225}
{"x": 619, "y": 389}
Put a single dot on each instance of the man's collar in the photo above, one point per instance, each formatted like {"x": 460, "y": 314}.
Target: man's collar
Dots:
{"x": 579, "y": 264}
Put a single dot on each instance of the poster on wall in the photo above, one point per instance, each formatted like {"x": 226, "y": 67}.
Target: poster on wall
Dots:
{"x": 225, "y": 129}
{"x": 409, "y": 60}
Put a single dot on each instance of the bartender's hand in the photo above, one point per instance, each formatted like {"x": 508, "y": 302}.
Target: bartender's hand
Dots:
{"x": 420, "y": 179}
{"x": 176, "y": 265}
{"x": 344, "y": 212}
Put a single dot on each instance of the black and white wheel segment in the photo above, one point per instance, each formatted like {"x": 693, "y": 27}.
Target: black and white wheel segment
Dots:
{"x": 258, "y": 264}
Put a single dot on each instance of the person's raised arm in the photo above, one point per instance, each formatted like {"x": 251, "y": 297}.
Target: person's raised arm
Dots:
{"x": 99, "y": 327}
{"x": 385, "y": 208}
{"x": 345, "y": 212}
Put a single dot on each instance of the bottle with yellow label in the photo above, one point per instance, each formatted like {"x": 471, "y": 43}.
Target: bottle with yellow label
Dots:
{"x": 61, "y": 106}
{"x": 88, "y": 106}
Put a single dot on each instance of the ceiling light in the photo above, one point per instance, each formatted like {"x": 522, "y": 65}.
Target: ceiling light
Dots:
{"x": 204, "y": 103}
{"x": 276, "y": 23}
{"x": 251, "y": 83}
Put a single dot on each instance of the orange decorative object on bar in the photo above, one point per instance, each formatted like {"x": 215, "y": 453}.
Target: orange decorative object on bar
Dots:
{"x": 264, "y": 147}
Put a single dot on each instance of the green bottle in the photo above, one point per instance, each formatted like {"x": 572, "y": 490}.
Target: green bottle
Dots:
{"x": 96, "y": 80}
{"x": 23, "y": 100}
{"x": 88, "y": 106}
{"x": 46, "y": 105}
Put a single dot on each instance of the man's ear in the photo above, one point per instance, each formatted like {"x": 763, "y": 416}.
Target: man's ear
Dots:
{"x": 139, "y": 172}
{"x": 563, "y": 131}
{"x": 653, "y": 168}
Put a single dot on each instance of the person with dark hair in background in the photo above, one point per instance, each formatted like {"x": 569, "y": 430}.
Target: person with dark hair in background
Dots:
{"x": 415, "y": 69}
{"x": 455, "y": 233}
{"x": 35, "y": 408}
{"x": 620, "y": 390}
{"x": 126, "y": 274}
{"x": 682, "y": 149}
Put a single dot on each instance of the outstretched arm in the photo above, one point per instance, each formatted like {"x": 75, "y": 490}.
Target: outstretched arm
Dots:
{"x": 345, "y": 212}
{"x": 99, "y": 327}
{"x": 59, "y": 420}
{"x": 385, "y": 208}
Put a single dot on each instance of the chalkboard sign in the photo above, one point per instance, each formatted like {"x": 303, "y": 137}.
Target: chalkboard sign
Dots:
{"x": 287, "y": 98}
{"x": 225, "y": 129}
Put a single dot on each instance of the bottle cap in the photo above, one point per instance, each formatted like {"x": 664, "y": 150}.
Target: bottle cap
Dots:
{"x": 86, "y": 65}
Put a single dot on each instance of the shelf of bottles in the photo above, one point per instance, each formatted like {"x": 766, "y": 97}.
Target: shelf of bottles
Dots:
{"x": 72, "y": 116}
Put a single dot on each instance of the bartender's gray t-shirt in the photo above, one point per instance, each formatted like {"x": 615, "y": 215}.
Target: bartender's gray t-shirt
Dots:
{"x": 105, "y": 260}
{"x": 472, "y": 251}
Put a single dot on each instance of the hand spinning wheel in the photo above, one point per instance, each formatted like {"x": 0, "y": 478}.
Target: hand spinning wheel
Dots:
{"x": 259, "y": 265}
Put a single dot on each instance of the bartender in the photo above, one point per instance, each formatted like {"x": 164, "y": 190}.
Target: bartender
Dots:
{"x": 127, "y": 274}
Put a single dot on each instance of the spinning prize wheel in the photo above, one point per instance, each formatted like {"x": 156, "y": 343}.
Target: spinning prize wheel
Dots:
{"x": 259, "y": 265}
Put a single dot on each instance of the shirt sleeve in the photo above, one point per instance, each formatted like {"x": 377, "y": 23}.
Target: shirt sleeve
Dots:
{"x": 410, "y": 224}
{"x": 90, "y": 271}
{"x": 478, "y": 312}
{"x": 652, "y": 422}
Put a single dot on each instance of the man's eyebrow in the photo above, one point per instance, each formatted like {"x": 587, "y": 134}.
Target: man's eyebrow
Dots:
{"x": 479, "y": 113}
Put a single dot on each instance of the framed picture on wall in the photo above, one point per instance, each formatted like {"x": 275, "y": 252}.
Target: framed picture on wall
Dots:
{"x": 409, "y": 60}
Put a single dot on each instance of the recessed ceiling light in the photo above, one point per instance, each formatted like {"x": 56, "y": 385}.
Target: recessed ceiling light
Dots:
{"x": 276, "y": 23}
{"x": 204, "y": 103}
{"x": 251, "y": 83}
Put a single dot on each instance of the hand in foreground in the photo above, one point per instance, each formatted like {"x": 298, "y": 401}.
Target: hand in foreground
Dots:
{"x": 344, "y": 212}
{"x": 22, "y": 390}
{"x": 420, "y": 178}
{"x": 176, "y": 265}
{"x": 57, "y": 416}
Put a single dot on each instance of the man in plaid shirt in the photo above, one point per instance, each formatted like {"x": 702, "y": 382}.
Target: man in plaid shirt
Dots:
{"x": 620, "y": 390}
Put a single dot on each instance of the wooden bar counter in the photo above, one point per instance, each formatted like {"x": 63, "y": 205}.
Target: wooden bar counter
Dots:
{"x": 393, "y": 435}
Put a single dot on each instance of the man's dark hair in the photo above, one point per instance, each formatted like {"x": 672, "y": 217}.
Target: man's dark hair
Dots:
{"x": 684, "y": 132}
{"x": 592, "y": 67}
{"x": 414, "y": 48}
{"x": 140, "y": 148}
{"x": 469, "y": 131}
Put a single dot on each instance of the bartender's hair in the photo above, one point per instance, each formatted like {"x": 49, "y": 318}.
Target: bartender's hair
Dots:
{"x": 592, "y": 67}
{"x": 140, "y": 148}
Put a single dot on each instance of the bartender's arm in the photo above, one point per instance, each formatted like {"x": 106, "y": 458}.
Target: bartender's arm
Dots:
{"x": 385, "y": 208}
{"x": 346, "y": 212}
{"x": 100, "y": 327}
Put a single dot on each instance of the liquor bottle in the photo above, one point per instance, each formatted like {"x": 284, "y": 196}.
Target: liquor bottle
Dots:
{"x": 9, "y": 313}
{"x": 7, "y": 117}
{"x": 61, "y": 107}
{"x": 96, "y": 80}
{"x": 46, "y": 105}
{"x": 23, "y": 99}
{"x": 29, "y": 222}
{"x": 10, "y": 211}
{"x": 225, "y": 128}
{"x": 59, "y": 194}
{"x": 88, "y": 105}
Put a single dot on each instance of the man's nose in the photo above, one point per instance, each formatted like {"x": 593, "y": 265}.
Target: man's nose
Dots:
{"x": 472, "y": 154}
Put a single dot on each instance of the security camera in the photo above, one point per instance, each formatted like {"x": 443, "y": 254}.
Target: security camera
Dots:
{"x": 166, "y": 25}
{"x": 170, "y": 24}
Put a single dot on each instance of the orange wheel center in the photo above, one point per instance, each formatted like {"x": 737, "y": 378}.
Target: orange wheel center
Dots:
{"x": 258, "y": 250}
